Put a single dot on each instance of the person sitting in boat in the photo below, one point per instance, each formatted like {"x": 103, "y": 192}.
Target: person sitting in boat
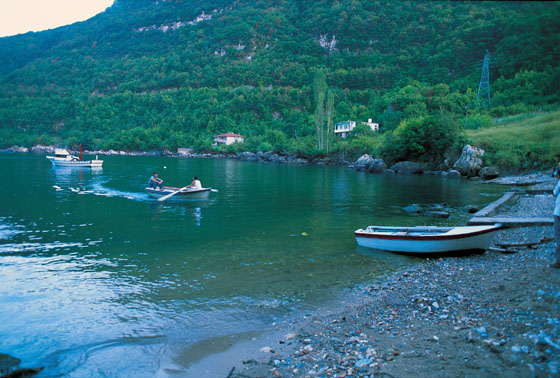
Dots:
{"x": 155, "y": 181}
{"x": 195, "y": 184}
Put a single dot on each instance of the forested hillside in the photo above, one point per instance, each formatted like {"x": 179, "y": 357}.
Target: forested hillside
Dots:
{"x": 147, "y": 75}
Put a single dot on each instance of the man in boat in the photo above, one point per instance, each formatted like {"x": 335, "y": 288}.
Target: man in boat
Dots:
{"x": 195, "y": 184}
{"x": 155, "y": 181}
{"x": 556, "y": 192}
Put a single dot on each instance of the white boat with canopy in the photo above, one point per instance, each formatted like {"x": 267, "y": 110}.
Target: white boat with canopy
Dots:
{"x": 62, "y": 158}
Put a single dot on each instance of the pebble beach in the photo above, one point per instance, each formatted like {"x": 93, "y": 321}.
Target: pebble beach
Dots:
{"x": 485, "y": 315}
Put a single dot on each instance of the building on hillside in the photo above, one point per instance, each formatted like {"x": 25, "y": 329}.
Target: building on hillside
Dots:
{"x": 227, "y": 139}
{"x": 343, "y": 128}
{"x": 374, "y": 126}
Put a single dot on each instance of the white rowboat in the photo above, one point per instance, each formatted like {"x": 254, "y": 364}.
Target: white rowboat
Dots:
{"x": 427, "y": 240}
{"x": 62, "y": 158}
{"x": 187, "y": 193}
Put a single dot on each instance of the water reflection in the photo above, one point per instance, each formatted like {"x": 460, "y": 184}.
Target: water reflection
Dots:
{"x": 184, "y": 209}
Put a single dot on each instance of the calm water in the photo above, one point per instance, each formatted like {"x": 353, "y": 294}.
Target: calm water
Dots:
{"x": 96, "y": 279}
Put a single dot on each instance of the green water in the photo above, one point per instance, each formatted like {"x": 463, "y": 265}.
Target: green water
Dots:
{"x": 99, "y": 280}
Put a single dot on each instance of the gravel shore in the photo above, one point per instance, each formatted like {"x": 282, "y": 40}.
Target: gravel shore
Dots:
{"x": 480, "y": 315}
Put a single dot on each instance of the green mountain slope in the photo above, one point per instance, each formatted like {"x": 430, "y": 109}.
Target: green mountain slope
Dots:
{"x": 162, "y": 74}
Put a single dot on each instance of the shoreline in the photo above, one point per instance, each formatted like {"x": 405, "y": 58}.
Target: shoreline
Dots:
{"x": 491, "y": 314}
{"x": 369, "y": 165}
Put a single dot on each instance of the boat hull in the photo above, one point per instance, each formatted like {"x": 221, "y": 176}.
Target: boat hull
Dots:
{"x": 457, "y": 239}
{"x": 186, "y": 194}
{"x": 75, "y": 163}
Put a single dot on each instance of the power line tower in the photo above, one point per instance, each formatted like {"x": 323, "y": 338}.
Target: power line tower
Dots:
{"x": 484, "y": 86}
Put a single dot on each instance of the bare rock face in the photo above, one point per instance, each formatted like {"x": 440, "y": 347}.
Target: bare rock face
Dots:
{"x": 488, "y": 173}
{"x": 470, "y": 162}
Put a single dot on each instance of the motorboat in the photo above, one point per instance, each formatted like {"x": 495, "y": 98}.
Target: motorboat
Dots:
{"x": 425, "y": 240}
{"x": 62, "y": 158}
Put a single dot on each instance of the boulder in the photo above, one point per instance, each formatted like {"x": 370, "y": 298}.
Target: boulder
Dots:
{"x": 488, "y": 173}
{"x": 247, "y": 156}
{"x": 471, "y": 209}
{"x": 453, "y": 174}
{"x": 364, "y": 160}
{"x": 389, "y": 172}
{"x": 22, "y": 149}
{"x": 408, "y": 168}
{"x": 413, "y": 209}
{"x": 436, "y": 214}
{"x": 376, "y": 166}
{"x": 267, "y": 155}
{"x": 470, "y": 161}
{"x": 362, "y": 163}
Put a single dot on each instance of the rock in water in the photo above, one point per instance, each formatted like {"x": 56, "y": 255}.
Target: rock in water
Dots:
{"x": 470, "y": 162}
{"x": 413, "y": 209}
{"x": 488, "y": 173}
{"x": 453, "y": 174}
{"x": 376, "y": 166}
{"x": 408, "y": 168}
{"x": 437, "y": 214}
{"x": 363, "y": 162}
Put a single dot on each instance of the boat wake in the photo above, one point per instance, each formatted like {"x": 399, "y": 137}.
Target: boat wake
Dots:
{"x": 99, "y": 190}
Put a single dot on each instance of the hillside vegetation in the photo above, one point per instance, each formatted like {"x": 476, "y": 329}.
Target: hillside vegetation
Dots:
{"x": 526, "y": 143}
{"x": 149, "y": 75}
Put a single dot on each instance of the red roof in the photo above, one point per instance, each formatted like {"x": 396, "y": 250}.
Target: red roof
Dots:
{"x": 229, "y": 135}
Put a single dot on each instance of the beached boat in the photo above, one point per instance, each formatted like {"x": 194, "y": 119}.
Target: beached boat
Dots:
{"x": 62, "y": 158}
{"x": 188, "y": 193}
{"x": 427, "y": 240}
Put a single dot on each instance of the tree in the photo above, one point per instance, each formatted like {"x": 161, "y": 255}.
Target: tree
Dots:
{"x": 319, "y": 88}
{"x": 329, "y": 112}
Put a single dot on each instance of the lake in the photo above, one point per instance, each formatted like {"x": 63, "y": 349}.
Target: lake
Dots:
{"x": 99, "y": 280}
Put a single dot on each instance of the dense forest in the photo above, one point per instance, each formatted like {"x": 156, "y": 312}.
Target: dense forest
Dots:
{"x": 152, "y": 75}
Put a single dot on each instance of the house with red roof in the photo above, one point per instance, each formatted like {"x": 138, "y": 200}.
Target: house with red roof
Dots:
{"x": 227, "y": 139}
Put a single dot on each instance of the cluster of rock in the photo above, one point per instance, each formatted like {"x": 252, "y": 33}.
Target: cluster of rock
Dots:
{"x": 469, "y": 164}
{"x": 15, "y": 149}
{"x": 272, "y": 157}
{"x": 438, "y": 210}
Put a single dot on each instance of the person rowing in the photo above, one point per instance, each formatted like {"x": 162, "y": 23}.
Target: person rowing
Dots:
{"x": 155, "y": 181}
{"x": 195, "y": 184}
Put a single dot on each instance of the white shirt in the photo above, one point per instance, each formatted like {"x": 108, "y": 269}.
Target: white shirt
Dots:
{"x": 556, "y": 192}
{"x": 196, "y": 184}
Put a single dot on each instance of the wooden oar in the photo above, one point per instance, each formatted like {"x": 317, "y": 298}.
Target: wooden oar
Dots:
{"x": 214, "y": 190}
{"x": 172, "y": 194}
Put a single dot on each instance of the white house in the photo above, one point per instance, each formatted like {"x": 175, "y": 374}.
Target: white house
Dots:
{"x": 374, "y": 126}
{"x": 227, "y": 139}
{"x": 343, "y": 128}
